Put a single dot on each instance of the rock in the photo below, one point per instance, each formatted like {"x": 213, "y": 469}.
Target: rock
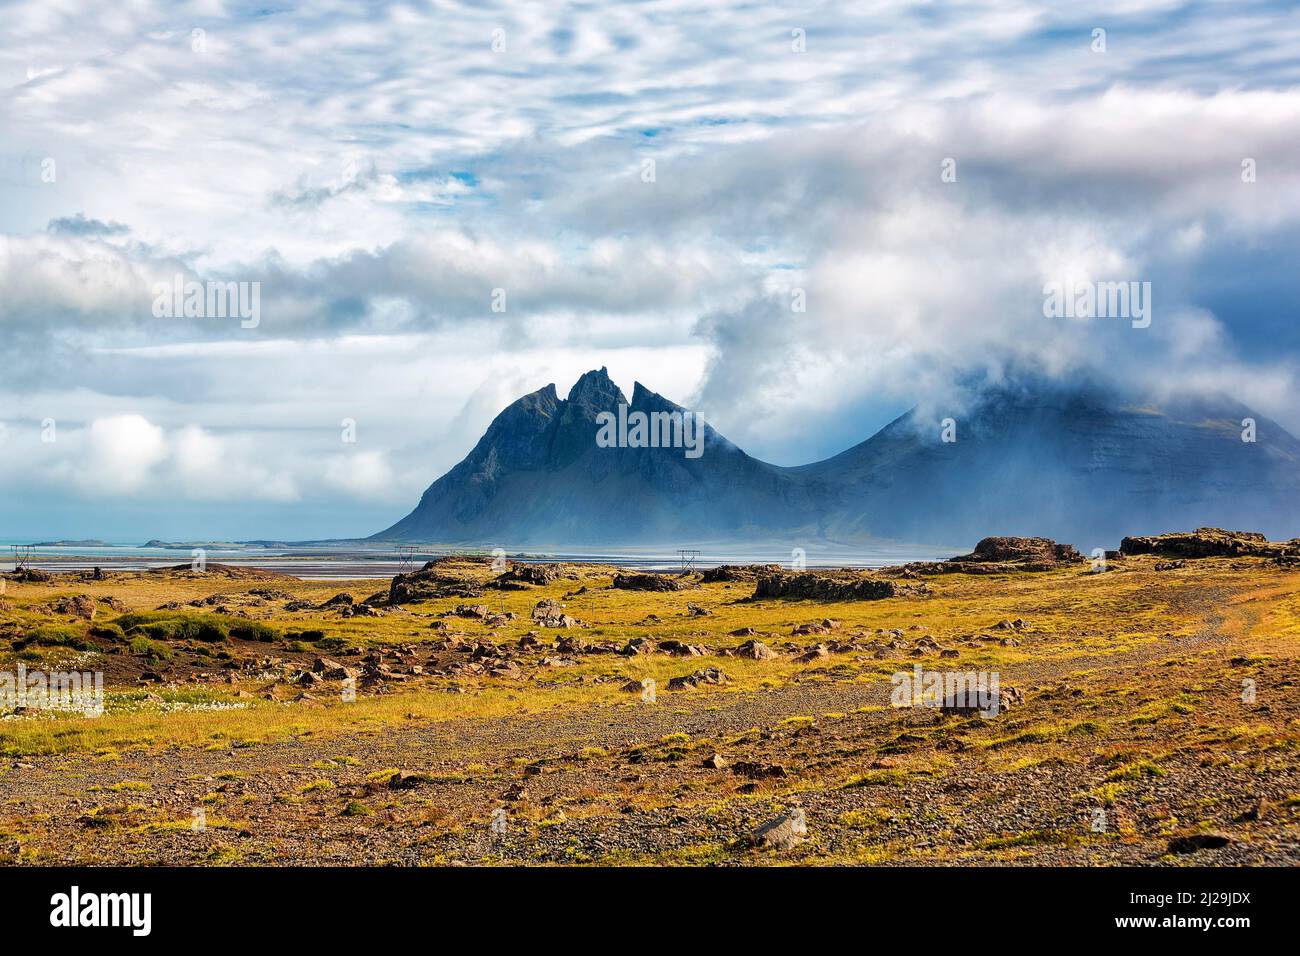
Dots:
{"x": 1008, "y": 698}
{"x": 1258, "y": 811}
{"x": 550, "y": 613}
{"x": 1191, "y": 842}
{"x": 633, "y": 687}
{"x": 756, "y": 650}
{"x": 694, "y": 610}
{"x": 534, "y": 574}
{"x": 655, "y": 582}
{"x": 997, "y": 555}
{"x": 759, "y": 771}
{"x": 681, "y": 649}
{"x": 78, "y": 605}
{"x": 830, "y": 586}
{"x": 516, "y": 791}
{"x": 406, "y": 780}
{"x": 31, "y": 576}
{"x": 716, "y": 762}
{"x": 1019, "y": 624}
{"x": 1209, "y": 543}
{"x": 815, "y": 653}
{"x": 430, "y": 582}
{"x": 784, "y": 832}
{"x": 1170, "y": 565}
{"x": 709, "y": 675}
{"x": 743, "y": 632}
{"x": 638, "y": 645}
{"x": 738, "y": 572}
{"x": 1014, "y": 549}
{"x": 339, "y": 600}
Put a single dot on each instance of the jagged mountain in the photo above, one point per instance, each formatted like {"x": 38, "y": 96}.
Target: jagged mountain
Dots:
{"x": 538, "y": 476}
{"x": 1070, "y": 465}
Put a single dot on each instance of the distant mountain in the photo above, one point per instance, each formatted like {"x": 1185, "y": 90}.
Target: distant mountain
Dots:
{"x": 1069, "y": 465}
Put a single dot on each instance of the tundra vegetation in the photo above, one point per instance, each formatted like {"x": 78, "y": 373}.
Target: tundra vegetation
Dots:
{"x": 544, "y": 716}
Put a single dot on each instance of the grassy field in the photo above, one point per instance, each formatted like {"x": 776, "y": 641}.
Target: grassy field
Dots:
{"x": 1154, "y": 705}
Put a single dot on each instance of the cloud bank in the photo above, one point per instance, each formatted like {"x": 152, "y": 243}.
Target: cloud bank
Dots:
{"x": 800, "y": 221}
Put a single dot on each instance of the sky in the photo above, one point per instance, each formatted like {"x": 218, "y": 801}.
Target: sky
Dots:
{"x": 800, "y": 219}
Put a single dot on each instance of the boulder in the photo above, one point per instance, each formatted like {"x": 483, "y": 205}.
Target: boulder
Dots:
{"x": 784, "y": 832}
{"x": 756, "y": 650}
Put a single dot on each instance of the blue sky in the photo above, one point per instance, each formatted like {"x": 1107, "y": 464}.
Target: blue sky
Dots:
{"x": 379, "y": 169}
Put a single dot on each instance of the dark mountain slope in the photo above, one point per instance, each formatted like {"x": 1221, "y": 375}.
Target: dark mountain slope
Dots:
{"x": 1071, "y": 465}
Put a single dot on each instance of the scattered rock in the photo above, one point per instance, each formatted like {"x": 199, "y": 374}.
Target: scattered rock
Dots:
{"x": 814, "y": 653}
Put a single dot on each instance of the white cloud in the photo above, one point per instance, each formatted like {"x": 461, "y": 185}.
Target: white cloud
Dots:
{"x": 381, "y": 186}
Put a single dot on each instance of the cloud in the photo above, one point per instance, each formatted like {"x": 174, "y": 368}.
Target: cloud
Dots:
{"x": 381, "y": 189}
{"x": 79, "y": 225}
{"x": 117, "y": 455}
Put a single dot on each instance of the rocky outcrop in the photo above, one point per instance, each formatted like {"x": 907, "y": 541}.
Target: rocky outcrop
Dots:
{"x": 427, "y": 583}
{"x": 997, "y": 555}
{"x": 1210, "y": 543}
{"x": 528, "y": 574}
{"x": 549, "y": 613}
{"x": 738, "y": 572}
{"x": 655, "y": 582}
{"x": 1012, "y": 549}
{"x": 830, "y": 586}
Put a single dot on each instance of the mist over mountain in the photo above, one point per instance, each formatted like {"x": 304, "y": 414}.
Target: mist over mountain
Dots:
{"x": 1074, "y": 465}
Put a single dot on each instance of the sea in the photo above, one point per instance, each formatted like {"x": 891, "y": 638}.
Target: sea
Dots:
{"x": 355, "y": 561}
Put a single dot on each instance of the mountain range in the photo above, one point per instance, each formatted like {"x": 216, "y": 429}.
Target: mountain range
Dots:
{"x": 1075, "y": 465}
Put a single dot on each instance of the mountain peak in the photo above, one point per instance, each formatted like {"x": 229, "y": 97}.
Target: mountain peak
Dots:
{"x": 1076, "y": 466}
{"x": 596, "y": 387}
